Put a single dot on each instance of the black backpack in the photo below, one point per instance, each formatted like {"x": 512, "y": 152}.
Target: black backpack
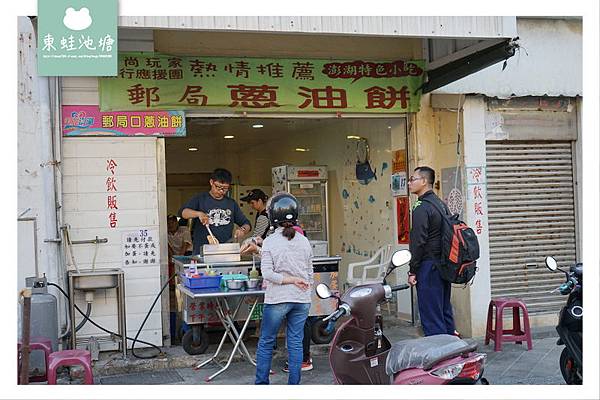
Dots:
{"x": 460, "y": 248}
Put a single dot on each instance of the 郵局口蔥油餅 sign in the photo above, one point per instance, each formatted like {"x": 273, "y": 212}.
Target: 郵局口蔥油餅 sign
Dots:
{"x": 147, "y": 81}
{"x": 90, "y": 121}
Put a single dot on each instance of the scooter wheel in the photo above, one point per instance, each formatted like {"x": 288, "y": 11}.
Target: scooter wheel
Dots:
{"x": 198, "y": 346}
{"x": 568, "y": 368}
{"x": 318, "y": 333}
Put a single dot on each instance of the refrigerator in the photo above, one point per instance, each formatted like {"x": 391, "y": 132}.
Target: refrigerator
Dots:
{"x": 309, "y": 185}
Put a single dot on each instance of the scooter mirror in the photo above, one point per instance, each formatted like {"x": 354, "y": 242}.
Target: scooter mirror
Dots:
{"x": 401, "y": 257}
{"x": 551, "y": 263}
{"x": 323, "y": 291}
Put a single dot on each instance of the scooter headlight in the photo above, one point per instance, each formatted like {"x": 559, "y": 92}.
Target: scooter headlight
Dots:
{"x": 388, "y": 291}
{"x": 449, "y": 372}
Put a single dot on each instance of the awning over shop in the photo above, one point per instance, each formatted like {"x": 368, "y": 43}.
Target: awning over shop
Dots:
{"x": 468, "y": 61}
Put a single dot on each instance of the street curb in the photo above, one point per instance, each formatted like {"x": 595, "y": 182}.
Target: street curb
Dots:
{"x": 112, "y": 363}
{"x": 115, "y": 365}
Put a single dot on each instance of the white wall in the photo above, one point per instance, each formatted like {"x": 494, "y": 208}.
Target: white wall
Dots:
{"x": 29, "y": 178}
{"x": 474, "y": 318}
{"x": 35, "y": 171}
{"x": 85, "y": 210}
{"x": 548, "y": 63}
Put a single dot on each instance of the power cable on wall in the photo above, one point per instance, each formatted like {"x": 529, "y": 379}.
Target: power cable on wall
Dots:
{"x": 458, "y": 140}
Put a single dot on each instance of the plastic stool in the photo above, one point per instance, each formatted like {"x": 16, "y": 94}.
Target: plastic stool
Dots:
{"x": 39, "y": 343}
{"x": 70, "y": 357}
{"x": 499, "y": 335}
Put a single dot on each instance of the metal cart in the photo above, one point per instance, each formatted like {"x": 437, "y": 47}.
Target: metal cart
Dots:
{"x": 201, "y": 311}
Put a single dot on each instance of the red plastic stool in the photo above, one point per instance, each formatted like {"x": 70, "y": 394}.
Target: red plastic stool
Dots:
{"x": 39, "y": 343}
{"x": 499, "y": 335}
{"x": 70, "y": 357}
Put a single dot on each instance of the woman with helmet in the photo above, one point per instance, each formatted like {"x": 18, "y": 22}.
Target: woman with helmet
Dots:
{"x": 286, "y": 265}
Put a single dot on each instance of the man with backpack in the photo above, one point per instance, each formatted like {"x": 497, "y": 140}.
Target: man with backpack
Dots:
{"x": 433, "y": 292}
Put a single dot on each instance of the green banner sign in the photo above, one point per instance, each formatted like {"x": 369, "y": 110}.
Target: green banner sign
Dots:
{"x": 150, "y": 81}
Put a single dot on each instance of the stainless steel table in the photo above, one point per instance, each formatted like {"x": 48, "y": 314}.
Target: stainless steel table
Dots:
{"x": 325, "y": 271}
{"x": 227, "y": 319}
{"x": 182, "y": 262}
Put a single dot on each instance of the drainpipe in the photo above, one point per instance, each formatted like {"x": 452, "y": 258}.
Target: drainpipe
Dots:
{"x": 47, "y": 173}
{"x": 56, "y": 99}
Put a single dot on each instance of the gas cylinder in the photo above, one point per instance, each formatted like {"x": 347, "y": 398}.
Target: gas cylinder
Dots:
{"x": 44, "y": 320}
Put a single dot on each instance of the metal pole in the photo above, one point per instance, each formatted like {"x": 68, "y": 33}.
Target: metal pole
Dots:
{"x": 122, "y": 314}
{"x": 72, "y": 312}
{"x": 26, "y": 331}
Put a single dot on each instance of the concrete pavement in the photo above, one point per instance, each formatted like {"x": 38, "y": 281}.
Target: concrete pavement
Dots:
{"x": 513, "y": 365}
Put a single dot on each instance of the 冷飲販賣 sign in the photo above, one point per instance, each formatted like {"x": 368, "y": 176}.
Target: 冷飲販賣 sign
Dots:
{"x": 90, "y": 121}
{"x": 147, "y": 81}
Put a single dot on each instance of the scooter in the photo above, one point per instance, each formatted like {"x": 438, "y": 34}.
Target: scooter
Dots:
{"x": 361, "y": 354}
{"x": 570, "y": 323}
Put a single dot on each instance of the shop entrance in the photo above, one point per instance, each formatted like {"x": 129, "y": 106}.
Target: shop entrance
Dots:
{"x": 357, "y": 216}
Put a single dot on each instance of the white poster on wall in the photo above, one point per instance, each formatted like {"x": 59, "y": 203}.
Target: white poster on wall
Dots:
{"x": 140, "y": 248}
{"x": 399, "y": 182}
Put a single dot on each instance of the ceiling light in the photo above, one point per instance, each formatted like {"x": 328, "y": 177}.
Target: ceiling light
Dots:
{"x": 257, "y": 126}
{"x": 228, "y": 137}
{"x": 389, "y": 127}
{"x": 192, "y": 149}
{"x": 301, "y": 149}
{"x": 353, "y": 137}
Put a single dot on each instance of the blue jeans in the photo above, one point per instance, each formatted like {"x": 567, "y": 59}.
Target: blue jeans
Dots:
{"x": 433, "y": 294}
{"x": 273, "y": 315}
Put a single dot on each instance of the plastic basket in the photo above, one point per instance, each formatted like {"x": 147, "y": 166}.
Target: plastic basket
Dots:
{"x": 202, "y": 282}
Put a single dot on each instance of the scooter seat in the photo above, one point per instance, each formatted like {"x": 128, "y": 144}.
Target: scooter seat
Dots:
{"x": 425, "y": 352}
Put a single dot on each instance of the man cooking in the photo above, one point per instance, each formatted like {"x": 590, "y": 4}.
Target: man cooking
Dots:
{"x": 217, "y": 211}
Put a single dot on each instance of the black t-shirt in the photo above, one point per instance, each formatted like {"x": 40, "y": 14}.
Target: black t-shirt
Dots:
{"x": 222, "y": 213}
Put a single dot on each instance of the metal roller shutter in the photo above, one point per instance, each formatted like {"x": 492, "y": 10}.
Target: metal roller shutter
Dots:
{"x": 531, "y": 210}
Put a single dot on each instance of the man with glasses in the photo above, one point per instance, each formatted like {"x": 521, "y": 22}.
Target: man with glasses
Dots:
{"x": 217, "y": 209}
{"x": 433, "y": 293}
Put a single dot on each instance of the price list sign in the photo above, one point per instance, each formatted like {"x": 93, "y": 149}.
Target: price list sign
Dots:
{"x": 140, "y": 248}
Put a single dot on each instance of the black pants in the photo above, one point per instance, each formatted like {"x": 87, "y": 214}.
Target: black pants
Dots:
{"x": 306, "y": 340}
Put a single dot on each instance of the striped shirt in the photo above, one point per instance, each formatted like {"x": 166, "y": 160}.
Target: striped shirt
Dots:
{"x": 261, "y": 225}
{"x": 282, "y": 257}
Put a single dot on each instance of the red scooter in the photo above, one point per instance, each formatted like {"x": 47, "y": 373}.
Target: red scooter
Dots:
{"x": 360, "y": 353}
